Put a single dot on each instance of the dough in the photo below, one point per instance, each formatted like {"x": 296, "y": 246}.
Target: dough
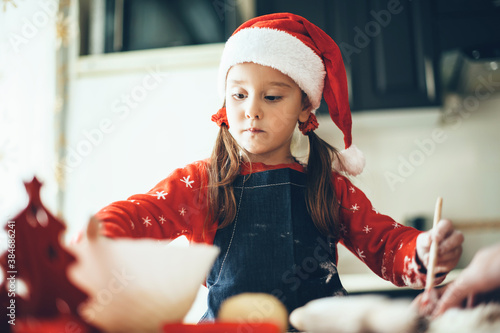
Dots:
{"x": 254, "y": 307}
{"x": 356, "y": 314}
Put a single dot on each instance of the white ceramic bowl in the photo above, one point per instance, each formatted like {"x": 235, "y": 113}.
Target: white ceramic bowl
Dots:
{"x": 138, "y": 285}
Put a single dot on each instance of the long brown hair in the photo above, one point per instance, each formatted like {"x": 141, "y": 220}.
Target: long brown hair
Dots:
{"x": 322, "y": 202}
{"x": 224, "y": 167}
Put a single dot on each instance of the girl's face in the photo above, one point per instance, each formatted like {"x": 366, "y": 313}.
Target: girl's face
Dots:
{"x": 263, "y": 106}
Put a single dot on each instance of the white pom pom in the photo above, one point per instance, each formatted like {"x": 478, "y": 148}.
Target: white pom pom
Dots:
{"x": 353, "y": 161}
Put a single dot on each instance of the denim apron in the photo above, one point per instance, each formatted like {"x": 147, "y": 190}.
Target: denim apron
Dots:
{"x": 272, "y": 246}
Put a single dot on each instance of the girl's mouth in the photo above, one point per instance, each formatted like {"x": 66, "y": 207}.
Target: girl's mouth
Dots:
{"x": 254, "y": 130}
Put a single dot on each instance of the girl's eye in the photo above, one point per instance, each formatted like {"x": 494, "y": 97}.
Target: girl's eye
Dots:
{"x": 239, "y": 96}
{"x": 273, "y": 98}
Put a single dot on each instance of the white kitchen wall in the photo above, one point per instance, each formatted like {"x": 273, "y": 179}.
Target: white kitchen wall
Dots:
{"x": 129, "y": 129}
{"x": 27, "y": 104}
{"x": 412, "y": 158}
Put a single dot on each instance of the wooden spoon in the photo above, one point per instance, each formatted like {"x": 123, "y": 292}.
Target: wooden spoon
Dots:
{"x": 429, "y": 296}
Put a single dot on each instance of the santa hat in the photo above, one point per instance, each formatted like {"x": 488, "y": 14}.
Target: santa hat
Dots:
{"x": 304, "y": 52}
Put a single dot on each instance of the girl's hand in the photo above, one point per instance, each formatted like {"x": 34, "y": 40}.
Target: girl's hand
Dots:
{"x": 91, "y": 232}
{"x": 449, "y": 243}
{"x": 77, "y": 238}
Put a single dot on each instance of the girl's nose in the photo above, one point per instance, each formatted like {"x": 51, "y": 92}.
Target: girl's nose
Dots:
{"x": 253, "y": 110}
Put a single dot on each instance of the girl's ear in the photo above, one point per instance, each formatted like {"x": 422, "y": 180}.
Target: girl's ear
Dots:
{"x": 306, "y": 108}
{"x": 304, "y": 114}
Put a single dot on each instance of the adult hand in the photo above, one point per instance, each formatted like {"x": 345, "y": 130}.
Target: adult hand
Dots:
{"x": 481, "y": 275}
{"x": 449, "y": 243}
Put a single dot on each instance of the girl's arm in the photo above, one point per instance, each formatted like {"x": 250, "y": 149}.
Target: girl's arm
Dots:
{"x": 176, "y": 206}
{"x": 387, "y": 247}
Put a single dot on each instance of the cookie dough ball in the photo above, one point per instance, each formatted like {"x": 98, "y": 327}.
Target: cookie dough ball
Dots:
{"x": 254, "y": 308}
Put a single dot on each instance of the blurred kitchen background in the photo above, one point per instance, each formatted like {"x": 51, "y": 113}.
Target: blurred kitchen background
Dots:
{"x": 101, "y": 99}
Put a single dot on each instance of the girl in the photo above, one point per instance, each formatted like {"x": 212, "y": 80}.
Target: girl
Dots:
{"x": 276, "y": 221}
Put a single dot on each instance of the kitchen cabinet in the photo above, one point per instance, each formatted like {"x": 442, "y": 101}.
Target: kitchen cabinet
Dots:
{"x": 393, "y": 49}
{"x": 388, "y": 48}
{"x": 115, "y": 25}
{"x": 393, "y": 59}
{"x": 467, "y": 23}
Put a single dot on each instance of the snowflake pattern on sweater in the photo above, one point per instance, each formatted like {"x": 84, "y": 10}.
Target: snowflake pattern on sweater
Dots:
{"x": 177, "y": 206}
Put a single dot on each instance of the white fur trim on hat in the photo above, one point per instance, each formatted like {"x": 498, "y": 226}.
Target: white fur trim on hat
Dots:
{"x": 353, "y": 161}
{"x": 279, "y": 50}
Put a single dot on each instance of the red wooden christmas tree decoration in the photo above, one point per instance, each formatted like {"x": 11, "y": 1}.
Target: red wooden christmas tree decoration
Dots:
{"x": 40, "y": 263}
